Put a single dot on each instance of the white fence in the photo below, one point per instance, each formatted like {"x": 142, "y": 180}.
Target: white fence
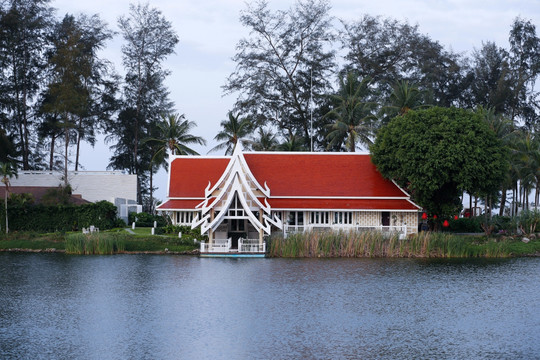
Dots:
{"x": 251, "y": 245}
{"x": 225, "y": 246}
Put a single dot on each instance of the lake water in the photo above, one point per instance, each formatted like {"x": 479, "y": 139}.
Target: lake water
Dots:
{"x": 55, "y": 306}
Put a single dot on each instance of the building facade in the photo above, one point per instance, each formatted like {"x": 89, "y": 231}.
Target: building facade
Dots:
{"x": 238, "y": 200}
{"x": 93, "y": 186}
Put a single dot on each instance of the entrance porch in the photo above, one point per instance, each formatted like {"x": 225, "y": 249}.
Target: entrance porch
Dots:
{"x": 235, "y": 235}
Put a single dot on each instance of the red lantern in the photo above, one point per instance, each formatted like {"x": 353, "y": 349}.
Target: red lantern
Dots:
{"x": 455, "y": 217}
{"x": 445, "y": 223}
{"x": 424, "y": 216}
{"x": 434, "y": 217}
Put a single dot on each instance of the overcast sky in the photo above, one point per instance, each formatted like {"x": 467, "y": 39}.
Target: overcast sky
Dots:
{"x": 209, "y": 31}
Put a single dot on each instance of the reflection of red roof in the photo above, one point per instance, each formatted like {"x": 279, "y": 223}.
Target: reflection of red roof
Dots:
{"x": 340, "y": 181}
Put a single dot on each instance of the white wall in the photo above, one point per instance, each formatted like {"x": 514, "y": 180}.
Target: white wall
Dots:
{"x": 92, "y": 185}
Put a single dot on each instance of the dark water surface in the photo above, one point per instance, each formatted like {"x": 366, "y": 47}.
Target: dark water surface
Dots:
{"x": 56, "y": 306}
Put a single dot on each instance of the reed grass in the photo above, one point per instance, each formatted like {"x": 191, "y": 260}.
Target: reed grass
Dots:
{"x": 376, "y": 244}
{"x": 95, "y": 244}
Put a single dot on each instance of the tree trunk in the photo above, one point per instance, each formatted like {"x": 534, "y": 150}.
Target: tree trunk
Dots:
{"x": 352, "y": 145}
{"x": 536, "y": 195}
{"x": 151, "y": 190}
{"x": 5, "y": 202}
{"x": 515, "y": 199}
{"x": 486, "y": 212}
{"x": 51, "y": 157}
{"x": 503, "y": 202}
{"x": 26, "y": 143}
{"x": 78, "y": 149}
{"x": 66, "y": 135}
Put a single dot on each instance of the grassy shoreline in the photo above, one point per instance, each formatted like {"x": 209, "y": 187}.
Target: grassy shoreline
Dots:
{"x": 305, "y": 245}
{"x": 423, "y": 245}
{"x": 117, "y": 241}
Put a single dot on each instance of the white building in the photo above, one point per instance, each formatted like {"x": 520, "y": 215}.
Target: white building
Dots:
{"x": 114, "y": 186}
{"x": 238, "y": 200}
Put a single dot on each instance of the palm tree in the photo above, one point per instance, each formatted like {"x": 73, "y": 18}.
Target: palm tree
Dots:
{"x": 505, "y": 131}
{"x": 528, "y": 157}
{"x": 7, "y": 171}
{"x": 404, "y": 97}
{"x": 293, "y": 143}
{"x": 352, "y": 115}
{"x": 234, "y": 130}
{"x": 172, "y": 136}
{"x": 265, "y": 141}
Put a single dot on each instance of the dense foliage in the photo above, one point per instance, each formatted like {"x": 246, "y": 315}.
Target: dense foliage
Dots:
{"x": 438, "y": 153}
{"x": 144, "y": 219}
{"x": 291, "y": 71}
{"x": 48, "y": 218}
{"x": 187, "y": 233}
{"x": 149, "y": 39}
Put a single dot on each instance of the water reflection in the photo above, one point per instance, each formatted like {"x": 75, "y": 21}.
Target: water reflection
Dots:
{"x": 173, "y": 307}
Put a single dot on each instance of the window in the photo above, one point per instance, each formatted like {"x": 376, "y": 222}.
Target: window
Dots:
{"x": 238, "y": 225}
{"x": 184, "y": 217}
{"x": 236, "y": 208}
{"x": 296, "y": 218}
{"x": 319, "y": 217}
{"x": 343, "y": 217}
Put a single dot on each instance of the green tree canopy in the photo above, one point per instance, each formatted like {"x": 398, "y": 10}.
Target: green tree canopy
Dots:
{"x": 352, "y": 113}
{"x": 286, "y": 61}
{"x": 437, "y": 153}
{"x": 233, "y": 130}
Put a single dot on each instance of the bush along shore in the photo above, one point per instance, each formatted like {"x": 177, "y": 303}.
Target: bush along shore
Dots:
{"x": 103, "y": 243}
{"x": 422, "y": 245}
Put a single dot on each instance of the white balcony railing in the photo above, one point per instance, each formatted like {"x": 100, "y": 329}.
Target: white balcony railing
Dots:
{"x": 218, "y": 245}
{"x": 251, "y": 245}
{"x": 225, "y": 246}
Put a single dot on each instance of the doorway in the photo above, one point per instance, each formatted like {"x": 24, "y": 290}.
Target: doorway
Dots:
{"x": 385, "y": 218}
{"x": 237, "y": 229}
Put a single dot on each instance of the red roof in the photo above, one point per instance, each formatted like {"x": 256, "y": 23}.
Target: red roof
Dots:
{"x": 189, "y": 176}
{"x": 323, "y": 174}
{"x": 342, "y": 204}
{"x": 292, "y": 175}
{"x": 179, "y": 204}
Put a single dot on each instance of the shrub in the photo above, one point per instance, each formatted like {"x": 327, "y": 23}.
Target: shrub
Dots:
{"x": 188, "y": 233}
{"x": 504, "y": 224}
{"x": 97, "y": 243}
{"x": 144, "y": 219}
{"x": 50, "y": 218}
{"x": 528, "y": 221}
{"x": 466, "y": 225}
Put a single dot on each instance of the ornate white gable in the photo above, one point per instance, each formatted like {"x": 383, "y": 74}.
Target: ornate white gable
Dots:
{"x": 238, "y": 180}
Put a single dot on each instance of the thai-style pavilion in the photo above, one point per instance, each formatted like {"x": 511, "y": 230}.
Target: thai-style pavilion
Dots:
{"x": 238, "y": 200}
